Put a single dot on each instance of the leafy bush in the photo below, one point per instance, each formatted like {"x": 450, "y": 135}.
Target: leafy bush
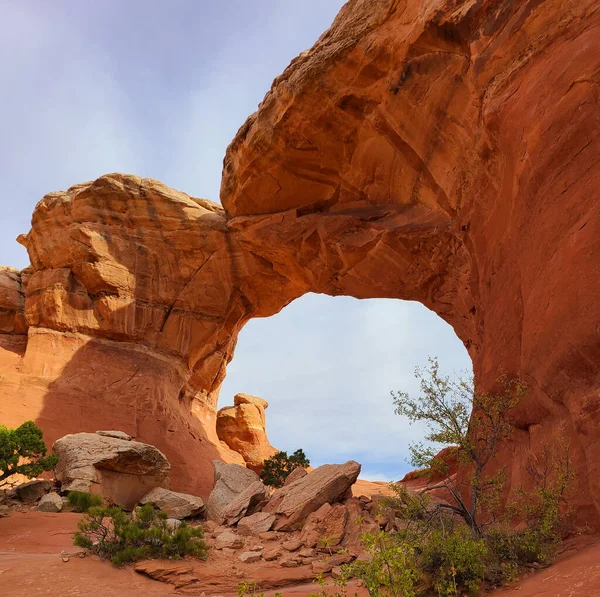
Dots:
{"x": 121, "y": 537}
{"x": 81, "y": 501}
{"x": 24, "y": 443}
{"x": 277, "y": 468}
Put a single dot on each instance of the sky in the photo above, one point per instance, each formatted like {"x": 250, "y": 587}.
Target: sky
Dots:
{"x": 159, "y": 88}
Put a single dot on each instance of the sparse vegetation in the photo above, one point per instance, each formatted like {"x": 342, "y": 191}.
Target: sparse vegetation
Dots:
{"x": 122, "y": 538}
{"x": 454, "y": 548}
{"x": 277, "y": 468}
{"x": 249, "y": 588}
{"x": 23, "y": 451}
{"x": 81, "y": 501}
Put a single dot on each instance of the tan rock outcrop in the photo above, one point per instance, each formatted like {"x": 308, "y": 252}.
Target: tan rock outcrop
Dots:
{"x": 123, "y": 471}
{"x": 243, "y": 428}
{"x": 431, "y": 150}
{"x": 326, "y": 484}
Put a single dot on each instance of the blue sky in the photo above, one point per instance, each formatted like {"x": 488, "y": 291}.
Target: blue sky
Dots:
{"x": 159, "y": 89}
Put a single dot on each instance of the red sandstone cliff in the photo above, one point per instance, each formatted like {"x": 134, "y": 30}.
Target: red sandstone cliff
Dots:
{"x": 432, "y": 150}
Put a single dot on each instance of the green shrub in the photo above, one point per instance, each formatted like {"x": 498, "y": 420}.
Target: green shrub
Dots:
{"x": 455, "y": 560}
{"x": 123, "y": 538}
{"x": 24, "y": 442}
{"x": 277, "y": 468}
{"x": 393, "y": 568}
{"x": 81, "y": 501}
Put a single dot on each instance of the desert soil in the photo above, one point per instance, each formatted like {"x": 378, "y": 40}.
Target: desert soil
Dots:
{"x": 37, "y": 558}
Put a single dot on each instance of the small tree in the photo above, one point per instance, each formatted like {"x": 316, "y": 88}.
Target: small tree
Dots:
{"x": 22, "y": 451}
{"x": 474, "y": 423}
{"x": 277, "y": 468}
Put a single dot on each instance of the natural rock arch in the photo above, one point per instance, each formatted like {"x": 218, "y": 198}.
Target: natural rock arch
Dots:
{"x": 432, "y": 151}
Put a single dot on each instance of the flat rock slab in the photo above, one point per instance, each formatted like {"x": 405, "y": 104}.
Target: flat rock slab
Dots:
{"x": 256, "y": 524}
{"x": 230, "y": 481}
{"x": 176, "y": 505}
{"x": 325, "y": 485}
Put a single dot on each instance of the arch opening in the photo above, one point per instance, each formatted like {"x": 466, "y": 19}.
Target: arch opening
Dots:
{"x": 326, "y": 366}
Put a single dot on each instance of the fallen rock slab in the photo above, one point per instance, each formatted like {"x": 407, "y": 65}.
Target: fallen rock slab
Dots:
{"x": 292, "y": 545}
{"x": 51, "y": 502}
{"x": 246, "y": 502}
{"x": 325, "y": 485}
{"x": 249, "y": 557}
{"x": 256, "y": 524}
{"x": 32, "y": 491}
{"x": 121, "y": 470}
{"x": 230, "y": 481}
{"x": 229, "y": 540}
{"x": 176, "y": 505}
{"x": 271, "y": 554}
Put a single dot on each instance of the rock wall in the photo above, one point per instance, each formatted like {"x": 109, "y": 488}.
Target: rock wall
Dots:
{"x": 431, "y": 150}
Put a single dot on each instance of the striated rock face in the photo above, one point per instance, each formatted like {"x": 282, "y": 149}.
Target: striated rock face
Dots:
{"x": 428, "y": 150}
{"x": 243, "y": 428}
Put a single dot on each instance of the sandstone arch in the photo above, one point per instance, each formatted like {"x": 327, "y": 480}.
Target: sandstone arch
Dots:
{"x": 428, "y": 150}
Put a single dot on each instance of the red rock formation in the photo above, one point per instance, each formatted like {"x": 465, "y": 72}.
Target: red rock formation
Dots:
{"x": 243, "y": 428}
{"x": 431, "y": 150}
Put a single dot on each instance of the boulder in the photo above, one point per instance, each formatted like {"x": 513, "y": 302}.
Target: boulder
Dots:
{"x": 255, "y": 524}
{"x": 176, "y": 505}
{"x": 247, "y": 502}
{"x": 32, "y": 491}
{"x": 271, "y": 554}
{"x": 327, "y": 524}
{"x": 243, "y": 428}
{"x": 229, "y": 540}
{"x": 249, "y": 557}
{"x": 121, "y": 470}
{"x": 325, "y": 485}
{"x": 51, "y": 502}
{"x": 291, "y": 544}
{"x": 230, "y": 480}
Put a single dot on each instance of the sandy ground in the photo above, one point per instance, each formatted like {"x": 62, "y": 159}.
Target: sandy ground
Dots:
{"x": 34, "y": 545}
